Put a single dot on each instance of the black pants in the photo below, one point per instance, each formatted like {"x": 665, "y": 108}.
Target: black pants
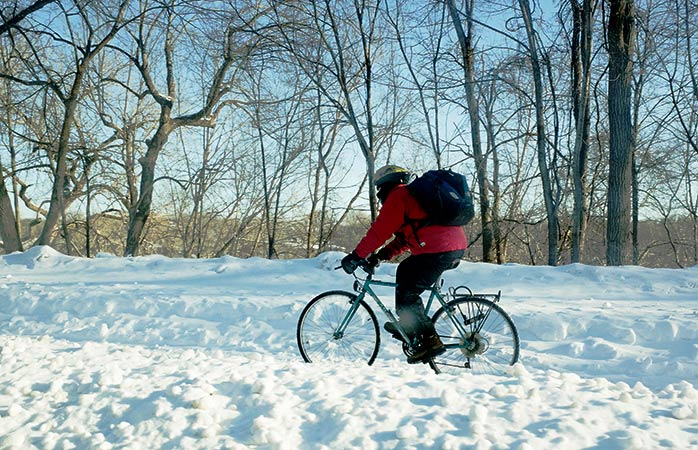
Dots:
{"x": 413, "y": 276}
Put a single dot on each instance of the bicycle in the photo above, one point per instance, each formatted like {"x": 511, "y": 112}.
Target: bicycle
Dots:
{"x": 479, "y": 336}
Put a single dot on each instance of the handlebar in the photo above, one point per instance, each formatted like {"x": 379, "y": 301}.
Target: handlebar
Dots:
{"x": 365, "y": 266}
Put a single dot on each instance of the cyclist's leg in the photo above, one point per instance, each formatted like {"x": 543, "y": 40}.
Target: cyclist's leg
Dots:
{"x": 413, "y": 273}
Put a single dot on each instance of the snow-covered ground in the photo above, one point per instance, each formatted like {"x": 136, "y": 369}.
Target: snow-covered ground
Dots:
{"x": 153, "y": 352}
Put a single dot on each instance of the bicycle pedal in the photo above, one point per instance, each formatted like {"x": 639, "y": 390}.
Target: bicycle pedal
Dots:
{"x": 428, "y": 355}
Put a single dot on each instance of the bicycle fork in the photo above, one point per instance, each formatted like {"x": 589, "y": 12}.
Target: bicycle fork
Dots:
{"x": 349, "y": 316}
{"x": 339, "y": 332}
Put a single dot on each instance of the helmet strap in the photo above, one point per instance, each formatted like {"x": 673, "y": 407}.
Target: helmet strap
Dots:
{"x": 385, "y": 189}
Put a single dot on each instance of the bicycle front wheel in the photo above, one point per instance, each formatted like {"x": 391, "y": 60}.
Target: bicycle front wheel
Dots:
{"x": 482, "y": 340}
{"x": 333, "y": 327}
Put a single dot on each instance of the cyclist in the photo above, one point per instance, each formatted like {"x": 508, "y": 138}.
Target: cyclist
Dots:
{"x": 433, "y": 249}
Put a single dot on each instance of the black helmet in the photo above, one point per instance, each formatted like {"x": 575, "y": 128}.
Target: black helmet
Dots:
{"x": 387, "y": 177}
{"x": 391, "y": 174}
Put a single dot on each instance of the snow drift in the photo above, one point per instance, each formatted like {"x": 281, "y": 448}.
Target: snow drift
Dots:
{"x": 154, "y": 352}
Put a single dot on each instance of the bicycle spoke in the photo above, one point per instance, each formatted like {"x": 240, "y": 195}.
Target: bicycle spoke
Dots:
{"x": 320, "y": 335}
{"x": 489, "y": 345}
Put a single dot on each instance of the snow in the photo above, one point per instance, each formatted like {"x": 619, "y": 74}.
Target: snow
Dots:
{"x": 155, "y": 352}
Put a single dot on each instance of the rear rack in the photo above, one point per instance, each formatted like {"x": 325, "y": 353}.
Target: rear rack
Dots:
{"x": 457, "y": 292}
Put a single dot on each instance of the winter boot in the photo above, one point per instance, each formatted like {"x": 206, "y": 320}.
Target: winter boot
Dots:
{"x": 429, "y": 347}
{"x": 392, "y": 329}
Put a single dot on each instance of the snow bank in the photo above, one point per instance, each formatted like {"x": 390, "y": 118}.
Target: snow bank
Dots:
{"x": 155, "y": 352}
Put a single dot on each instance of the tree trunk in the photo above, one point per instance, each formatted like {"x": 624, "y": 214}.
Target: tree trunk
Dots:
{"x": 57, "y": 206}
{"x": 317, "y": 185}
{"x": 70, "y": 104}
{"x": 642, "y": 56}
{"x": 8, "y": 224}
{"x": 581, "y": 82}
{"x": 205, "y": 117}
{"x": 139, "y": 216}
{"x": 492, "y": 148}
{"x": 541, "y": 139}
{"x": 9, "y": 219}
{"x": 621, "y": 40}
{"x": 467, "y": 53}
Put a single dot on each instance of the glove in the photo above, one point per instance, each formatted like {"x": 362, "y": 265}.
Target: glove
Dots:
{"x": 373, "y": 261}
{"x": 383, "y": 254}
{"x": 351, "y": 262}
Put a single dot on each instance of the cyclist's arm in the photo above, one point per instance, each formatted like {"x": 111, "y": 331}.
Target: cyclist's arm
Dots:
{"x": 394, "y": 247}
{"x": 389, "y": 220}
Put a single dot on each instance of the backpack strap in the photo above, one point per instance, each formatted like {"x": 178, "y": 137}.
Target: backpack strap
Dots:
{"x": 416, "y": 224}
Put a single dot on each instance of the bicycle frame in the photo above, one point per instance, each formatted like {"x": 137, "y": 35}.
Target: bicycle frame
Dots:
{"x": 337, "y": 325}
{"x": 366, "y": 287}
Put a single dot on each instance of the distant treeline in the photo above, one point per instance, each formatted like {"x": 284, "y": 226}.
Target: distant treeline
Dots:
{"x": 254, "y": 127}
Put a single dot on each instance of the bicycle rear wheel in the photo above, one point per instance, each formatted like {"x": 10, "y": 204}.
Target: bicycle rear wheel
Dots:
{"x": 319, "y": 335}
{"x": 491, "y": 340}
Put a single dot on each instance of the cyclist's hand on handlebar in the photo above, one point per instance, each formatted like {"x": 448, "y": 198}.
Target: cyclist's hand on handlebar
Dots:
{"x": 372, "y": 261}
{"x": 351, "y": 262}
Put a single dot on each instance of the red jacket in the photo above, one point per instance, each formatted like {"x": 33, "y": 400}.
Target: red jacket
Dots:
{"x": 398, "y": 217}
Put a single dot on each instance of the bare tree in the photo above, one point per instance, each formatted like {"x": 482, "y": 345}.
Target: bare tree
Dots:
{"x": 582, "y": 39}
{"x": 9, "y": 219}
{"x": 8, "y": 227}
{"x": 422, "y": 66}
{"x": 342, "y": 39}
{"x": 84, "y": 38}
{"x": 465, "y": 41}
{"x": 673, "y": 31}
{"x": 541, "y": 138}
{"x": 621, "y": 42}
{"x": 279, "y": 136}
{"x": 27, "y": 131}
{"x": 242, "y": 186}
{"x": 164, "y": 97}
{"x": 504, "y": 107}
{"x": 327, "y": 132}
{"x": 17, "y": 14}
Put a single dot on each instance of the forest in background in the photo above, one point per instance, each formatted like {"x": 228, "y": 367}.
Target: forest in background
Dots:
{"x": 252, "y": 128}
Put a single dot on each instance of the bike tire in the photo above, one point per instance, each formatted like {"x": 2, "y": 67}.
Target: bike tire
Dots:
{"x": 493, "y": 340}
{"x": 317, "y": 325}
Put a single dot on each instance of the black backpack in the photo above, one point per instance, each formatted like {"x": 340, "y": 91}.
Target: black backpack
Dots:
{"x": 445, "y": 197}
